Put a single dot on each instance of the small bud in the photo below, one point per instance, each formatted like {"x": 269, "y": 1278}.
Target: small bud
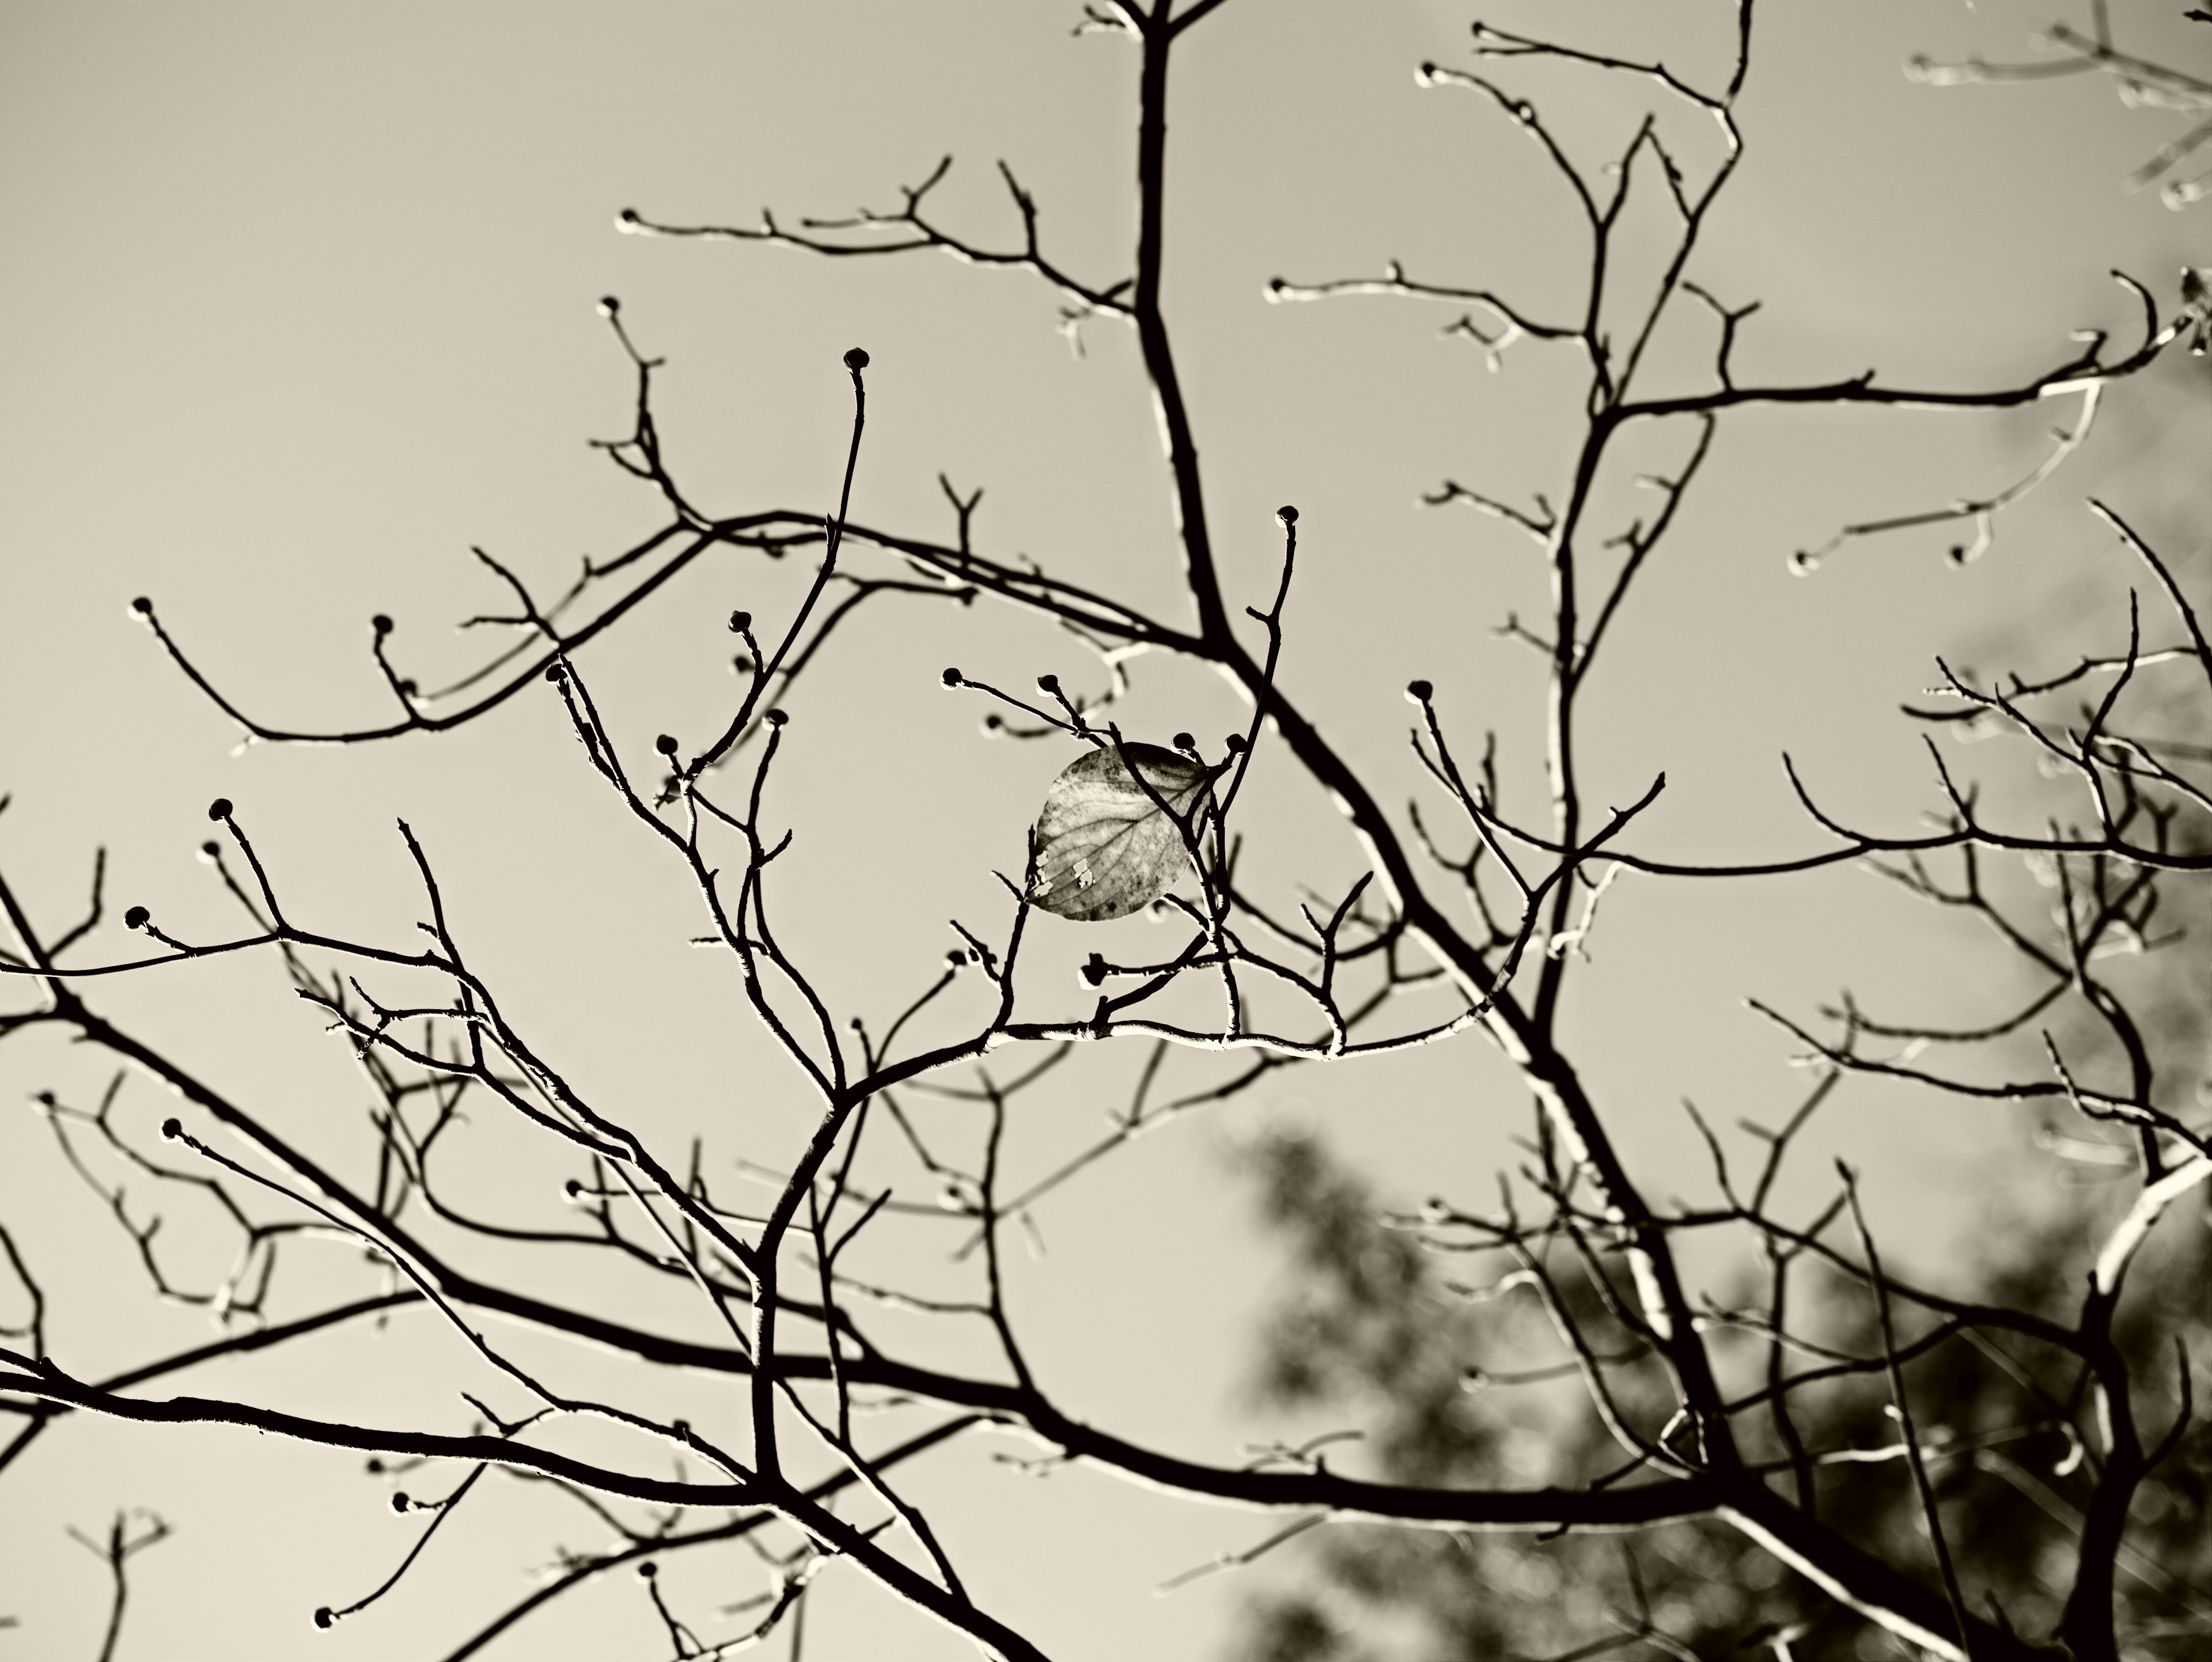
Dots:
{"x": 381, "y": 624}
{"x": 666, "y": 744}
{"x": 323, "y": 1617}
{"x": 572, "y": 1188}
{"x": 681, "y": 1428}
{"x": 993, "y": 722}
{"x": 951, "y": 678}
{"x": 143, "y": 606}
{"x": 1048, "y": 684}
{"x": 740, "y": 621}
{"x": 647, "y": 1570}
{"x": 956, "y": 958}
{"x": 407, "y": 689}
{"x": 219, "y": 810}
{"x": 1233, "y": 743}
{"x": 1287, "y": 514}
{"x": 1419, "y": 692}
{"x": 627, "y": 216}
{"x": 136, "y": 918}
{"x": 173, "y": 1128}
{"x": 741, "y": 665}
{"x": 1094, "y": 970}
{"x": 399, "y": 1501}
{"x": 375, "y": 1465}
{"x": 553, "y": 672}
{"x": 856, "y": 360}
{"x": 609, "y": 306}
{"x": 1183, "y": 741}
{"x": 774, "y": 718}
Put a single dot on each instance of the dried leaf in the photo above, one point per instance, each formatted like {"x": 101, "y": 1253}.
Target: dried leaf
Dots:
{"x": 1103, "y": 847}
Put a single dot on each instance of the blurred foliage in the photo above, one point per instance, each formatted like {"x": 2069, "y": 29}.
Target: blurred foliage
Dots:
{"x": 1375, "y": 1330}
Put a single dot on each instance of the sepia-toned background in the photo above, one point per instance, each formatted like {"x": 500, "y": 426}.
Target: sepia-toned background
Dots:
{"x": 297, "y": 302}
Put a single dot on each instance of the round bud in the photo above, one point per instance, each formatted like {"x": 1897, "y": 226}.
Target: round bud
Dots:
{"x": 647, "y": 1570}
{"x": 1419, "y": 692}
{"x": 572, "y": 1188}
{"x": 173, "y": 1128}
{"x": 136, "y": 918}
{"x": 856, "y": 360}
{"x": 956, "y": 958}
{"x": 681, "y": 1428}
{"x": 1287, "y": 514}
{"x": 553, "y": 673}
{"x": 1048, "y": 684}
{"x": 993, "y": 722}
{"x": 1233, "y": 743}
{"x": 666, "y": 743}
{"x": 951, "y": 678}
{"x": 407, "y": 689}
{"x": 375, "y": 1465}
{"x": 1183, "y": 741}
{"x": 381, "y": 624}
{"x": 609, "y": 306}
{"x": 143, "y": 606}
{"x": 740, "y": 621}
{"x": 399, "y": 1501}
{"x": 774, "y": 718}
{"x": 627, "y": 216}
{"x": 323, "y": 1617}
{"x": 219, "y": 810}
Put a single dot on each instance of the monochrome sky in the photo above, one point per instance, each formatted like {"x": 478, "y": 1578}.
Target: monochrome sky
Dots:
{"x": 297, "y": 303}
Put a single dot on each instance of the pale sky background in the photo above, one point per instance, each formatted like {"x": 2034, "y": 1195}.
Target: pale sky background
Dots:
{"x": 296, "y": 302}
